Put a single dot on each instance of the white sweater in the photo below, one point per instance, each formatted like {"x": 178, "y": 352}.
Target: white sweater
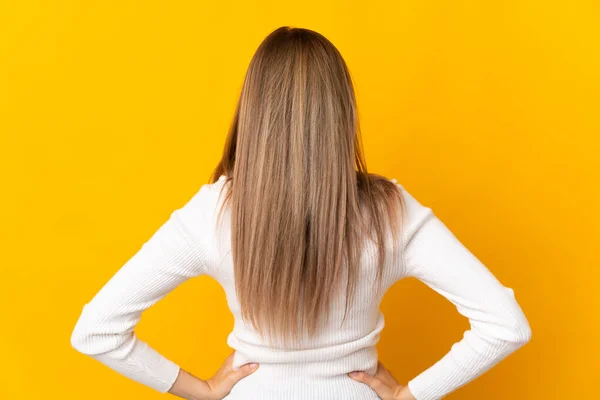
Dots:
{"x": 186, "y": 246}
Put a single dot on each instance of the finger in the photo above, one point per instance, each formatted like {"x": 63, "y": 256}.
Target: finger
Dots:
{"x": 380, "y": 369}
{"x": 242, "y": 372}
{"x": 382, "y": 390}
{"x": 227, "y": 364}
{"x": 386, "y": 376}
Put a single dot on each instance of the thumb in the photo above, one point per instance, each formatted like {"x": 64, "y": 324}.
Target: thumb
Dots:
{"x": 241, "y": 372}
{"x": 382, "y": 390}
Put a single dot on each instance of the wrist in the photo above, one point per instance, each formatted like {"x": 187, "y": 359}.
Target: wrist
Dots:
{"x": 190, "y": 387}
{"x": 200, "y": 390}
{"x": 405, "y": 394}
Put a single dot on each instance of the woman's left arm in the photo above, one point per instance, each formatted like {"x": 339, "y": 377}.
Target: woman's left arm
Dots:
{"x": 498, "y": 325}
{"x": 105, "y": 328}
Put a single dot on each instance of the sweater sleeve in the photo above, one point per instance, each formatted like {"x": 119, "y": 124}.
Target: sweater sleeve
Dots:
{"x": 105, "y": 328}
{"x": 498, "y": 326}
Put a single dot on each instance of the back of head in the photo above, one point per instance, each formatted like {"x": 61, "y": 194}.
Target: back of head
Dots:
{"x": 302, "y": 201}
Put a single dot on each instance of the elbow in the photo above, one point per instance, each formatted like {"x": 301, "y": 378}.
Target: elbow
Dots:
{"x": 506, "y": 338}
{"x": 81, "y": 335}
{"x": 78, "y": 341}
{"x": 507, "y": 335}
{"x": 522, "y": 333}
{"x": 97, "y": 336}
{"x": 517, "y": 323}
{"x": 518, "y": 332}
{"x": 86, "y": 336}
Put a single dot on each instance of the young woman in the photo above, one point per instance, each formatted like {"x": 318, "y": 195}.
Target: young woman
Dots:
{"x": 305, "y": 243}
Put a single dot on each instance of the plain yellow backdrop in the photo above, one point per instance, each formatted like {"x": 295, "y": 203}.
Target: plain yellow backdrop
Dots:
{"x": 113, "y": 113}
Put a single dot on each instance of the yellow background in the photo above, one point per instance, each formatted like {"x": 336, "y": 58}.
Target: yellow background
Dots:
{"x": 113, "y": 113}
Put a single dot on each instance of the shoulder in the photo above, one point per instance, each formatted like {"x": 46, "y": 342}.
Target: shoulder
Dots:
{"x": 196, "y": 215}
{"x": 204, "y": 196}
{"x": 416, "y": 213}
{"x": 414, "y": 208}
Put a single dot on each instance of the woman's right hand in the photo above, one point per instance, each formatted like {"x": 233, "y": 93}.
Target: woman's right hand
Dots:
{"x": 383, "y": 383}
{"x": 225, "y": 378}
{"x": 190, "y": 387}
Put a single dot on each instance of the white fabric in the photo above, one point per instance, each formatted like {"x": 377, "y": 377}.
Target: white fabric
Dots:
{"x": 188, "y": 245}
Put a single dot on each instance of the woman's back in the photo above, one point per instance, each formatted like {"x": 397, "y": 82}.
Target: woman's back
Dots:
{"x": 317, "y": 367}
{"x": 188, "y": 245}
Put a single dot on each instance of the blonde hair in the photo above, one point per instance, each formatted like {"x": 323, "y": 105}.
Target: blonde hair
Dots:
{"x": 302, "y": 201}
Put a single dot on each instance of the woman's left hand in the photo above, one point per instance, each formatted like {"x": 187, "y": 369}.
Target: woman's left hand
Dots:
{"x": 383, "y": 383}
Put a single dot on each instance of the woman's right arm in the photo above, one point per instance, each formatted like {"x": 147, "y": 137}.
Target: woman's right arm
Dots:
{"x": 498, "y": 326}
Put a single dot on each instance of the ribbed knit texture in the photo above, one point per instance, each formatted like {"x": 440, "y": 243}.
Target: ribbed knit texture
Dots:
{"x": 187, "y": 245}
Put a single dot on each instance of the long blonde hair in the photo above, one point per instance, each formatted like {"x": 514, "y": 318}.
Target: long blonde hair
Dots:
{"x": 302, "y": 201}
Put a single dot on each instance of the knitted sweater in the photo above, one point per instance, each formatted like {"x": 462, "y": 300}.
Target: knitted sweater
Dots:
{"x": 187, "y": 245}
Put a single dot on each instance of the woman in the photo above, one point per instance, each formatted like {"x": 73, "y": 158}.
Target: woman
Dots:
{"x": 305, "y": 242}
